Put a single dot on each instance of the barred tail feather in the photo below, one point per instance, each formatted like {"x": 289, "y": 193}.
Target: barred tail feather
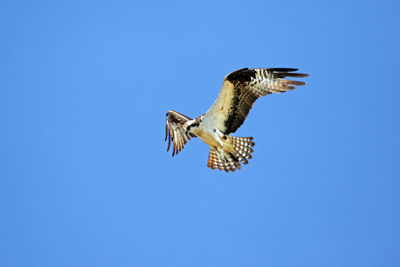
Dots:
{"x": 243, "y": 147}
{"x": 227, "y": 161}
{"x": 215, "y": 162}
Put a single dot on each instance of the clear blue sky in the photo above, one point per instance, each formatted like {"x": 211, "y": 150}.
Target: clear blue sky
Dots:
{"x": 85, "y": 178}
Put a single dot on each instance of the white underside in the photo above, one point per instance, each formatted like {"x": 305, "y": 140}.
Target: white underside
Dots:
{"x": 210, "y": 135}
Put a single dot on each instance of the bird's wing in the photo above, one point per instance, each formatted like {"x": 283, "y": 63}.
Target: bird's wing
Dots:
{"x": 241, "y": 89}
{"x": 174, "y": 131}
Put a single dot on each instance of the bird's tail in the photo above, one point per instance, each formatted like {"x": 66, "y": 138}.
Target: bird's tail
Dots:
{"x": 228, "y": 161}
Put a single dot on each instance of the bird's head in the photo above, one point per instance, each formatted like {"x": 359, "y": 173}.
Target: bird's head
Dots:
{"x": 190, "y": 125}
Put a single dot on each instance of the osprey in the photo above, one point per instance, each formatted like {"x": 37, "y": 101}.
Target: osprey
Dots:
{"x": 239, "y": 91}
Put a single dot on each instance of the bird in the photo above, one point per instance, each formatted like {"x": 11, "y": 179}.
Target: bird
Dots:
{"x": 240, "y": 89}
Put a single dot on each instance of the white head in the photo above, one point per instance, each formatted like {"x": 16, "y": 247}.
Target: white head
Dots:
{"x": 190, "y": 125}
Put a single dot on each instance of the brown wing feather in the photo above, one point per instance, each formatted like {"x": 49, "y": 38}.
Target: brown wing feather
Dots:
{"x": 242, "y": 88}
{"x": 175, "y": 132}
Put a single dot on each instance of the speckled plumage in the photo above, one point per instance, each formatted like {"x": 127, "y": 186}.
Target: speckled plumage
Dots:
{"x": 239, "y": 91}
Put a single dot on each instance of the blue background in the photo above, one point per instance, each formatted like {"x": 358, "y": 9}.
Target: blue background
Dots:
{"x": 85, "y": 179}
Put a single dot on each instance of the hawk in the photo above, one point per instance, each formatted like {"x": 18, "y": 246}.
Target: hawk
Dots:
{"x": 239, "y": 91}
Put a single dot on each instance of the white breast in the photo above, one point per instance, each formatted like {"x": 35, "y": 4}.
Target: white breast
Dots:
{"x": 207, "y": 133}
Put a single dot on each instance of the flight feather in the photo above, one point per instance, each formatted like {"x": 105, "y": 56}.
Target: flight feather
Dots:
{"x": 175, "y": 131}
{"x": 242, "y": 88}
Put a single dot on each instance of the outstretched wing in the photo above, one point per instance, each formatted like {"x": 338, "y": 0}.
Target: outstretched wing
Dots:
{"x": 241, "y": 89}
{"x": 174, "y": 131}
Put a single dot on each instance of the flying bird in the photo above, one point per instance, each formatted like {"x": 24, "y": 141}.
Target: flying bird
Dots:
{"x": 239, "y": 91}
